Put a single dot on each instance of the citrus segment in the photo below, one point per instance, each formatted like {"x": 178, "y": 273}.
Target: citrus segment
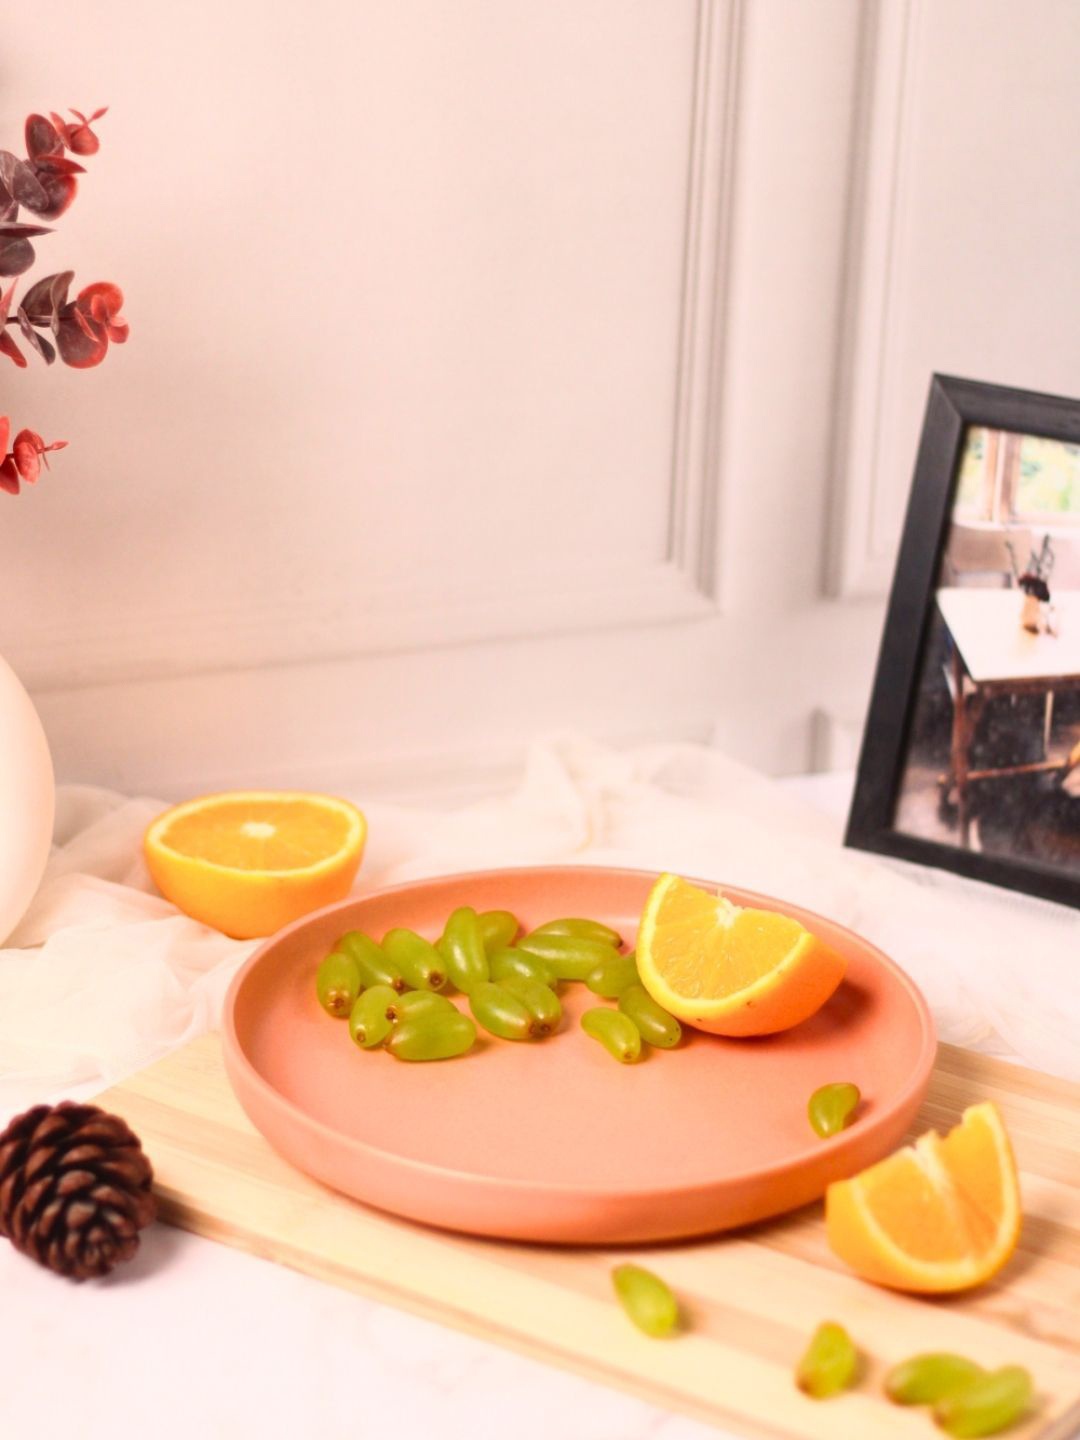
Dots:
{"x": 249, "y": 862}
{"x": 727, "y": 969}
{"x": 261, "y": 832}
{"x": 940, "y": 1215}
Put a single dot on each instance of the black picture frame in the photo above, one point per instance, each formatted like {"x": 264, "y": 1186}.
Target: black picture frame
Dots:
{"x": 952, "y": 406}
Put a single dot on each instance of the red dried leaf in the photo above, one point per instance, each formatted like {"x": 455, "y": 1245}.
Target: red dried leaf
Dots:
{"x": 59, "y": 165}
{"x": 9, "y": 476}
{"x": 44, "y": 348}
{"x": 5, "y": 431}
{"x": 82, "y": 140}
{"x": 59, "y": 190}
{"x": 104, "y": 300}
{"x": 42, "y": 137}
{"x": 29, "y": 454}
{"x": 85, "y": 323}
{"x": 5, "y": 305}
{"x": 19, "y": 229}
{"x": 80, "y": 347}
{"x": 21, "y": 183}
{"x": 45, "y": 297}
{"x": 102, "y": 296}
{"x": 16, "y": 257}
{"x": 79, "y": 138}
{"x": 26, "y": 453}
{"x": 8, "y": 347}
{"x": 89, "y": 119}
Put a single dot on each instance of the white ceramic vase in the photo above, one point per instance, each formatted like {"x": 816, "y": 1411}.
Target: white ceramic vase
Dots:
{"x": 27, "y": 800}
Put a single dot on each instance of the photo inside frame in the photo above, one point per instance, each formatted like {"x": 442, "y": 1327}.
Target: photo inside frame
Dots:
{"x": 992, "y": 762}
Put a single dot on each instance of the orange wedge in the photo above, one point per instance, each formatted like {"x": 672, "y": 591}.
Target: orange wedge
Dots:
{"x": 730, "y": 970}
{"x": 249, "y": 862}
{"x": 940, "y": 1215}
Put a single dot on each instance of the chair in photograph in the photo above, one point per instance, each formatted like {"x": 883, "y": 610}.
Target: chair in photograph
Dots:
{"x": 979, "y": 554}
{"x": 992, "y": 659}
{"x": 984, "y": 554}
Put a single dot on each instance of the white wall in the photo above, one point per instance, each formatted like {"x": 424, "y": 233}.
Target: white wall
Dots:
{"x": 965, "y": 236}
{"x": 497, "y": 366}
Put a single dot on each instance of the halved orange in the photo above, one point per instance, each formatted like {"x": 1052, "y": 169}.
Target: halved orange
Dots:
{"x": 728, "y": 969}
{"x": 250, "y": 861}
{"x": 940, "y": 1215}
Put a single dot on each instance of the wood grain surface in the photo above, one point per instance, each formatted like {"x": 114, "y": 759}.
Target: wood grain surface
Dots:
{"x": 751, "y": 1297}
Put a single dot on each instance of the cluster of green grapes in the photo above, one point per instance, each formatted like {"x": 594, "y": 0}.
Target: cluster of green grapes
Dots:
{"x": 967, "y": 1400}
{"x": 391, "y": 992}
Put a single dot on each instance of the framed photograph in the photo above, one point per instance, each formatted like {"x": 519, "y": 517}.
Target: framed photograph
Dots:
{"x": 971, "y": 756}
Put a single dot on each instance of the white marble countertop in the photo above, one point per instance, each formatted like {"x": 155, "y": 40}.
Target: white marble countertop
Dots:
{"x": 195, "y": 1338}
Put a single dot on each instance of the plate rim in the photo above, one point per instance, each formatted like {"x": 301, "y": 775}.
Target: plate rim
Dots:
{"x": 294, "y": 1114}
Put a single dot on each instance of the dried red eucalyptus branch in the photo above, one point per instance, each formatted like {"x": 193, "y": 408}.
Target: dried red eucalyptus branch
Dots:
{"x": 25, "y": 459}
{"x": 45, "y": 184}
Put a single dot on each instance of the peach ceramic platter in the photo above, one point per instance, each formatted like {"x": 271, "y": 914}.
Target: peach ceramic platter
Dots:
{"x": 553, "y": 1140}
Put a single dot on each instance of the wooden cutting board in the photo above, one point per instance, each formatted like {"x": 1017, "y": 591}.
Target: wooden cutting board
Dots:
{"x": 752, "y": 1298}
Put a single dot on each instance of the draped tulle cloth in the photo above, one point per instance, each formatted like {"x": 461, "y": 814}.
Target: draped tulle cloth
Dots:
{"x": 103, "y": 975}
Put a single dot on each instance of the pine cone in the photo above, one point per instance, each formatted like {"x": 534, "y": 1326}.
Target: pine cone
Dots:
{"x": 74, "y": 1188}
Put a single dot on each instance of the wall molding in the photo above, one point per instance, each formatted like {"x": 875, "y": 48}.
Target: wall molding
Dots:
{"x": 458, "y": 721}
{"x": 696, "y": 486}
{"x": 552, "y": 599}
{"x": 860, "y": 560}
{"x": 408, "y": 618}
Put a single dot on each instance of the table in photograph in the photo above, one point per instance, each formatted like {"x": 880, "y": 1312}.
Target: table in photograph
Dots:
{"x": 993, "y": 654}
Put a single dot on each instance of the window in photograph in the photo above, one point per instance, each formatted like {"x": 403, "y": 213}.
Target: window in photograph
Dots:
{"x": 1008, "y": 478}
{"x": 1047, "y": 479}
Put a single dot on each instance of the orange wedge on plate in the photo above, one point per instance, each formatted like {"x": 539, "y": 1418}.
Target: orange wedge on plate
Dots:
{"x": 250, "y": 861}
{"x": 728, "y": 969}
{"x": 940, "y": 1215}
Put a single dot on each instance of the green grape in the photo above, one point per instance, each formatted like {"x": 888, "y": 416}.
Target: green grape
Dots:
{"x": 830, "y": 1362}
{"x": 508, "y": 961}
{"x": 462, "y": 949}
{"x": 617, "y": 1033}
{"x": 417, "y": 959}
{"x": 497, "y": 928}
{"x": 502, "y": 1013}
{"x": 540, "y": 1000}
{"x": 656, "y": 1025}
{"x": 612, "y": 977}
{"x": 432, "y": 1036}
{"x": 567, "y": 957}
{"x": 418, "y": 1002}
{"x": 831, "y": 1107}
{"x": 375, "y": 967}
{"x": 925, "y": 1379}
{"x": 646, "y": 1299}
{"x": 986, "y": 1405}
{"x": 337, "y": 984}
{"x": 371, "y": 1020}
{"x": 581, "y": 930}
